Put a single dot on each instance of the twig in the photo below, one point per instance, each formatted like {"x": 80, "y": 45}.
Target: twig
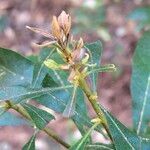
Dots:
{"x": 47, "y": 130}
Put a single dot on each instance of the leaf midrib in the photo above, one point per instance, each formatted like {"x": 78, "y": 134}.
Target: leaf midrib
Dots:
{"x": 144, "y": 105}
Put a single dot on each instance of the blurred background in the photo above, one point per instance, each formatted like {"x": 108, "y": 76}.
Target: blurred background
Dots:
{"x": 117, "y": 23}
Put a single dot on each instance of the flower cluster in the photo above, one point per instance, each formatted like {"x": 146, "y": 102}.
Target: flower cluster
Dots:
{"x": 71, "y": 51}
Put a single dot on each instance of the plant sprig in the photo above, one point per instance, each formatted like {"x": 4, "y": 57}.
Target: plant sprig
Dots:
{"x": 76, "y": 59}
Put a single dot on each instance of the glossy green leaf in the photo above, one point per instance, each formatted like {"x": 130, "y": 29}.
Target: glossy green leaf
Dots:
{"x": 80, "y": 145}
{"x": 10, "y": 119}
{"x": 30, "y": 145}
{"x": 14, "y": 69}
{"x": 19, "y": 93}
{"x": 95, "y": 51}
{"x": 40, "y": 117}
{"x": 123, "y": 138}
{"x": 140, "y": 84}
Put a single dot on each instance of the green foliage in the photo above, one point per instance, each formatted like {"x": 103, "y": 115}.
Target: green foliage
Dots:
{"x": 140, "y": 85}
{"x": 40, "y": 117}
{"x": 23, "y": 80}
{"x": 95, "y": 51}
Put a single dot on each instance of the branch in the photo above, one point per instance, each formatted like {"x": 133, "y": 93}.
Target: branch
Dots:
{"x": 48, "y": 131}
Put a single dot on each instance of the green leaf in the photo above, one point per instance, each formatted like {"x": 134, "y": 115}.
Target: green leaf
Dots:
{"x": 99, "y": 146}
{"x": 30, "y": 145}
{"x": 70, "y": 108}
{"x": 9, "y": 119}
{"x": 140, "y": 85}
{"x": 58, "y": 101}
{"x": 16, "y": 74}
{"x": 40, "y": 117}
{"x": 40, "y": 70}
{"x": 123, "y": 138}
{"x": 19, "y": 93}
{"x": 14, "y": 69}
{"x": 95, "y": 51}
{"x": 80, "y": 145}
{"x": 81, "y": 118}
{"x": 48, "y": 82}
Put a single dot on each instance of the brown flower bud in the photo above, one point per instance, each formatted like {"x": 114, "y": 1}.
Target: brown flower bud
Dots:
{"x": 64, "y": 21}
{"x": 78, "y": 54}
{"x": 79, "y": 44}
{"x": 56, "y": 30}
